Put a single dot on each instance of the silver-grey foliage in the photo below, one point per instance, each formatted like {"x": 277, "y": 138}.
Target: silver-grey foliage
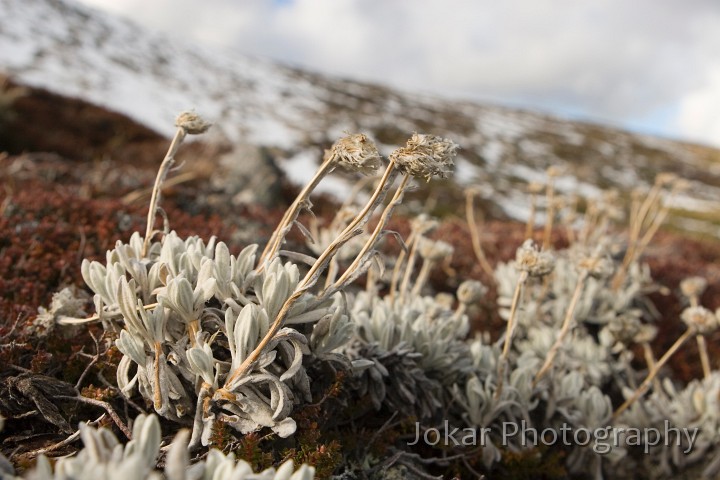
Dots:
{"x": 104, "y": 457}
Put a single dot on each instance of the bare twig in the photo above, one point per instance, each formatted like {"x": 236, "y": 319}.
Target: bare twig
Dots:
{"x": 94, "y": 360}
{"x": 645, "y": 385}
{"x": 72, "y": 438}
{"x": 566, "y": 326}
{"x": 104, "y": 405}
{"x": 509, "y": 332}
{"x": 475, "y": 235}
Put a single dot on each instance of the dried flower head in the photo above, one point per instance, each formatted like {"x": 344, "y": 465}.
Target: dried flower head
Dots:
{"x": 535, "y": 187}
{"x": 693, "y": 287}
{"x": 625, "y": 328}
{"x": 646, "y": 334}
{"x": 423, "y": 223}
{"x": 665, "y": 178}
{"x": 425, "y": 156}
{"x": 192, "y": 123}
{"x": 529, "y": 258}
{"x": 357, "y": 152}
{"x": 471, "y": 291}
{"x": 599, "y": 267}
{"x": 700, "y": 319}
{"x": 434, "y": 250}
{"x": 553, "y": 171}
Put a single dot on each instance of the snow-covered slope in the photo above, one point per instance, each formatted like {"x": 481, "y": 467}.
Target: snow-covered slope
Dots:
{"x": 77, "y": 51}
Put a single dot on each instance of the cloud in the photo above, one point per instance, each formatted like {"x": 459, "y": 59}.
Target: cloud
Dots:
{"x": 699, "y": 112}
{"x": 613, "y": 60}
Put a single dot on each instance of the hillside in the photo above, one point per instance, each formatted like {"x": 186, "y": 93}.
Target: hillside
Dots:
{"x": 80, "y": 52}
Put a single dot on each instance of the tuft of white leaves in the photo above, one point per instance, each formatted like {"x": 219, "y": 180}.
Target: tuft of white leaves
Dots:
{"x": 177, "y": 305}
{"x": 103, "y": 457}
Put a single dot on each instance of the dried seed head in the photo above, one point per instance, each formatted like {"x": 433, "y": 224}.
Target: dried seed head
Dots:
{"x": 535, "y": 187}
{"x": 553, "y": 171}
{"x": 665, "y": 178}
{"x": 599, "y": 267}
{"x": 625, "y": 328}
{"x": 529, "y": 258}
{"x": 425, "y": 156}
{"x": 646, "y": 334}
{"x": 357, "y": 152}
{"x": 471, "y": 291}
{"x": 434, "y": 250}
{"x": 444, "y": 300}
{"x": 693, "y": 287}
{"x": 700, "y": 319}
{"x": 192, "y": 123}
{"x": 423, "y": 223}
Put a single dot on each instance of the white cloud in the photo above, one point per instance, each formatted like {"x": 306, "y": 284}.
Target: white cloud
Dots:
{"x": 699, "y": 116}
{"x": 613, "y": 60}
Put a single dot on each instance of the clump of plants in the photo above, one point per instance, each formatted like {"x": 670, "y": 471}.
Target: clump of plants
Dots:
{"x": 343, "y": 358}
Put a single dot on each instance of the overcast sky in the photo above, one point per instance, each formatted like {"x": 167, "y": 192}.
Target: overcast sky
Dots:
{"x": 649, "y": 65}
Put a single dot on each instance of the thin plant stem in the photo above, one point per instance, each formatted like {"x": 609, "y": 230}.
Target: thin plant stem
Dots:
{"x": 645, "y": 385}
{"x": 530, "y": 226}
{"x": 331, "y": 272}
{"x": 312, "y": 275}
{"x": 96, "y": 316}
{"x": 639, "y": 240}
{"x": 704, "y": 357}
{"x": 422, "y": 276}
{"x": 656, "y": 223}
{"x": 358, "y": 222}
{"x": 157, "y": 397}
{"x": 650, "y": 361}
{"x": 572, "y": 215}
{"x": 509, "y": 332}
{"x": 371, "y": 283}
{"x": 566, "y": 326}
{"x": 104, "y": 405}
{"x": 475, "y": 235}
{"x": 639, "y": 219}
{"x": 93, "y": 361}
{"x": 547, "y": 235}
{"x": 291, "y": 214}
{"x": 460, "y": 310}
{"x": 398, "y": 266}
{"x": 405, "y": 285}
{"x": 387, "y": 212}
{"x": 165, "y": 167}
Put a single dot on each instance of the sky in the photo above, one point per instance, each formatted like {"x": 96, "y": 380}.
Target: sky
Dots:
{"x": 652, "y": 66}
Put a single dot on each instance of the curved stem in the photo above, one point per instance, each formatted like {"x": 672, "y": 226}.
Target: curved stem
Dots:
{"x": 640, "y": 391}
{"x": 165, "y": 166}
{"x": 475, "y": 236}
{"x": 397, "y": 198}
{"x": 510, "y": 331}
{"x": 567, "y": 323}
{"x": 312, "y": 275}
{"x": 704, "y": 357}
{"x": 291, "y": 214}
